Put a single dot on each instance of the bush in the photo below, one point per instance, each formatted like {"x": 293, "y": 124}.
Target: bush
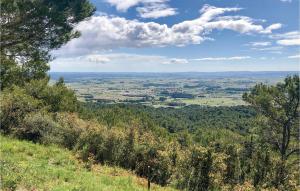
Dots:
{"x": 91, "y": 141}
{"x": 71, "y": 128}
{"x": 35, "y": 96}
{"x": 38, "y": 127}
{"x": 153, "y": 162}
{"x": 56, "y": 97}
{"x": 15, "y": 105}
{"x": 107, "y": 145}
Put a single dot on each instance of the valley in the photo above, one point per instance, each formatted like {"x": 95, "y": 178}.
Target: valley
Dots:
{"x": 167, "y": 89}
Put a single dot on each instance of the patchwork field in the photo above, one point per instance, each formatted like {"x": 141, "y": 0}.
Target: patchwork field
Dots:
{"x": 167, "y": 89}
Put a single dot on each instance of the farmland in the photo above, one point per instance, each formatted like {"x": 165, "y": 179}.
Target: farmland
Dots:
{"x": 167, "y": 89}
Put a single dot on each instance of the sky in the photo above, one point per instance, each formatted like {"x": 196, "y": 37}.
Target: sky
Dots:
{"x": 185, "y": 36}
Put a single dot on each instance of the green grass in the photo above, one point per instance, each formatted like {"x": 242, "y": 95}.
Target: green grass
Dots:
{"x": 28, "y": 166}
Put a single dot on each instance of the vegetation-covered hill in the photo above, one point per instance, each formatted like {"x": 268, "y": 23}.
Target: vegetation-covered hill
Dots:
{"x": 253, "y": 147}
{"x": 28, "y": 166}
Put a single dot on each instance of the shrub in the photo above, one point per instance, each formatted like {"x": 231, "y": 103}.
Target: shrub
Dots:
{"x": 91, "y": 141}
{"x": 15, "y": 105}
{"x": 114, "y": 142}
{"x": 38, "y": 127}
{"x": 71, "y": 128}
{"x": 56, "y": 97}
{"x": 153, "y": 163}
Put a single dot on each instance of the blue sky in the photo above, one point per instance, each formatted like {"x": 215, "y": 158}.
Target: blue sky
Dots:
{"x": 185, "y": 35}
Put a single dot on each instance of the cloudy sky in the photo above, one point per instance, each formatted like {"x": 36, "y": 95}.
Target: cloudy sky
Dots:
{"x": 185, "y": 35}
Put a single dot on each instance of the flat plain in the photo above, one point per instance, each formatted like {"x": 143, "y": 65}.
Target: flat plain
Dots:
{"x": 167, "y": 89}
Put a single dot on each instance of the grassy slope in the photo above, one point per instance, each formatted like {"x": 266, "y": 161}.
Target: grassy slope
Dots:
{"x": 28, "y": 166}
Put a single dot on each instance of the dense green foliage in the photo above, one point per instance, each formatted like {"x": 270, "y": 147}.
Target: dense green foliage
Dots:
{"x": 30, "y": 29}
{"x": 175, "y": 120}
{"x": 17, "y": 103}
{"x": 204, "y": 125}
{"x": 279, "y": 111}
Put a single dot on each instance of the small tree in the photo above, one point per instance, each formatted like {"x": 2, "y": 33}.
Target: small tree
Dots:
{"x": 128, "y": 158}
{"x": 200, "y": 169}
{"x": 278, "y": 108}
{"x": 262, "y": 166}
{"x": 232, "y": 175}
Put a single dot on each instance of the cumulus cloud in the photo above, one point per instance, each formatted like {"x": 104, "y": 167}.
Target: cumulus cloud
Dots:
{"x": 147, "y": 8}
{"x": 156, "y": 10}
{"x": 124, "y": 5}
{"x": 222, "y": 58}
{"x": 272, "y": 27}
{"x": 295, "y": 56}
{"x": 106, "y": 32}
{"x": 287, "y": 39}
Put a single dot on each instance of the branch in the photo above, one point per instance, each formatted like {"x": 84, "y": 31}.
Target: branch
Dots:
{"x": 292, "y": 152}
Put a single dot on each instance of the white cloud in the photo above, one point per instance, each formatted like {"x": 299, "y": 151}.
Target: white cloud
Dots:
{"x": 124, "y": 5}
{"x": 112, "y": 58}
{"x": 97, "y": 58}
{"x": 289, "y": 35}
{"x": 287, "y": 39}
{"x": 138, "y": 58}
{"x": 272, "y": 27}
{"x": 289, "y": 42}
{"x": 176, "y": 61}
{"x": 270, "y": 48}
{"x": 105, "y": 32}
{"x": 155, "y": 11}
{"x": 259, "y": 44}
{"x": 222, "y": 58}
{"x": 265, "y": 46}
{"x": 295, "y": 56}
{"x": 286, "y": 1}
{"x": 147, "y": 8}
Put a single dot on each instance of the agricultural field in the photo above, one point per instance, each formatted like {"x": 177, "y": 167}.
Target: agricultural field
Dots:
{"x": 167, "y": 89}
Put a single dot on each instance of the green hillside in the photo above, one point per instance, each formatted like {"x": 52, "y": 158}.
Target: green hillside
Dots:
{"x": 28, "y": 166}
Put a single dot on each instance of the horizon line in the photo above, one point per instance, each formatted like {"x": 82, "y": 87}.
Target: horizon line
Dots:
{"x": 180, "y": 72}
